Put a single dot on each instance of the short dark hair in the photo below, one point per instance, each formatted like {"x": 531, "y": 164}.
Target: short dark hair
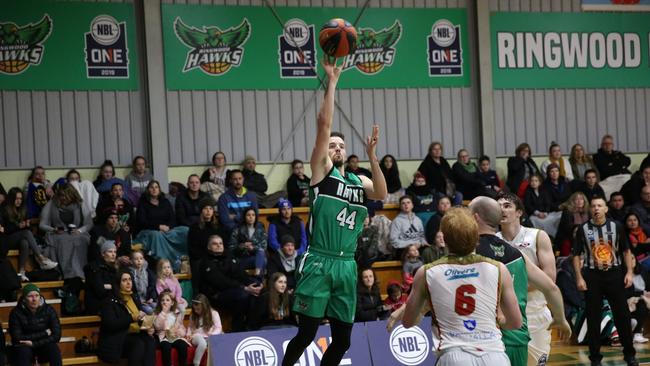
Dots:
{"x": 406, "y": 196}
{"x": 512, "y": 198}
{"x": 483, "y": 158}
{"x": 337, "y": 134}
{"x": 590, "y": 171}
{"x": 116, "y": 184}
{"x": 598, "y": 197}
{"x": 234, "y": 171}
{"x": 353, "y": 156}
{"x": 139, "y": 157}
{"x": 296, "y": 161}
{"x": 617, "y": 193}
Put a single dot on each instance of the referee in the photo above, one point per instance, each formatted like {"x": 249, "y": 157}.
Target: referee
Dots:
{"x": 606, "y": 271}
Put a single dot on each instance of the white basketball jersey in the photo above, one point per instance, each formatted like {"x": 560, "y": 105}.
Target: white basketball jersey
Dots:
{"x": 464, "y": 294}
{"x": 526, "y": 242}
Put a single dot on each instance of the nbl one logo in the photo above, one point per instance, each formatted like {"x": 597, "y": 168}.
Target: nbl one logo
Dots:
{"x": 255, "y": 351}
{"x": 444, "y": 51}
{"x": 106, "y": 51}
{"x": 409, "y": 346}
{"x": 374, "y": 49}
{"x": 297, "y": 51}
{"x": 22, "y": 46}
{"x": 213, "y": 50}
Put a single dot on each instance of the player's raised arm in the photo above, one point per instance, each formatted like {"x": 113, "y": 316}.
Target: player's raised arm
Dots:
{"x": 320, "y": 162}
{"x": 508, "y": 301}
{"x": 375, "y": 188}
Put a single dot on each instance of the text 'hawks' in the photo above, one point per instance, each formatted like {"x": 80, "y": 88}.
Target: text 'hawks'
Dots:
{"x": 350, "y": 194}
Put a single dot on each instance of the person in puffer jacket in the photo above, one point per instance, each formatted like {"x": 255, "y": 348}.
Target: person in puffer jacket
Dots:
{"x": 35, "y": 329}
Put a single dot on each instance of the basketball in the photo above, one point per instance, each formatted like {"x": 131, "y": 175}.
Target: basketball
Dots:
{"x": 338, "y": 38}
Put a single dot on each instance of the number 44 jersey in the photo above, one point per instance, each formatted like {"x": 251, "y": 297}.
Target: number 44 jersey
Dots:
{"x": 464, "y": 294}
{"x": 337, "y": 212}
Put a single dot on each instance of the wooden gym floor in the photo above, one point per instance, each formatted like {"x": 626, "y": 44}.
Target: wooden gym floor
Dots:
{"x": 564, "y": 355}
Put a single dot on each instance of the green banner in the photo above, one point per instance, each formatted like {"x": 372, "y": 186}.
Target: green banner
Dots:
{"x": 67, "y": 45}
{"x": 242, "y": 47}
{"x": 570, "y": 50}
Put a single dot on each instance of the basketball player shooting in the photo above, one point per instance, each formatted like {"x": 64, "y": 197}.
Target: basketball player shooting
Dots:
{"x": 327, "y": 273}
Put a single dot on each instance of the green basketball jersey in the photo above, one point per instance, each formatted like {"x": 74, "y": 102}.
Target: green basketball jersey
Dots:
{"x": 336, "y": 213}
{"x": 493, "y": 247}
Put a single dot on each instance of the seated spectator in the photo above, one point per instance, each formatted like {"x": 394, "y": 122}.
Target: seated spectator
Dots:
{"x": 166, "y": 281}
{"x": 226, "y": 284}
{"x": 642, "y": 209}
{"x": 352, "y": 166}
{"x": 610, "y": 162}
{"x": 156, "y": 222}
{"x": 273, "y": 306}
{"x": 575, "y": 212}
{"x": 187, "y": 202}
{"x": 388, "y": 166}
{"x": 368, "y": 245}
{"x": 116, "y": 199}
{"x": 298, "y": 185}
{"x": 639, "y": 240}
{"x": 199, "y": 233}
{"x": 465, "y": 174}
{"x": 170, "y": 331}
{"x": 286, "y": 223}
{"x": 438, "y": 174}
{"x": 411, "y": 262}
{"x": 444, "y": 204}
{"x": 632, "y": 188}
{"x": 204, "y": 322}
{"x": 538, "y": 206}
{"x": 144, "y": 282}
{"x": 106, "y": 179}
{"x": 589, "y": 185}
{"x": 38, "y": 191}
{"x": 285, "y": 261}
{"x": 520, "y": 168}
{"x": 18, "y": 234}
{"x": 396, "y": 297}
{"x": 35, "y": 329}
{"x": 215, "y": 178}
{"x": 72, "y": 175}
{"x": 87, "y": 191}
{"x": 406, "y": 229}
{"x": 256, "y": 183}
{"x": 114, "y": 230}
{"x": 100, "y": 276}
{"x": 234, "y": 202}
{"x": 248, "y": 244}
{"x": 139, "y": 178}
{"x": 437, "y": 250}
{"x": 369, "y": 305}
{"x": 556, "y": 187}
{"x": 555, "y": 157}
{"x": 424, "y": 198}
{"x": 580, "y": 162}
{"x": 66, "y": 228}
{"x": 617, "y": 210}
{"x": 120, "y": 334}
{"x": 491, "y": 182}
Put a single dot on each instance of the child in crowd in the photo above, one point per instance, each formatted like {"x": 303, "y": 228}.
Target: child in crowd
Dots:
{"x": 144, "y": 281}
{"x": 488, "y": 176}
{"x": 204, "y": 322}
{"x": 437, "y": 250}
{"x": 167, "y": 281}
{"x": 170, "y": 331}
{"x": 411, "y": 262}
{"x": 396, "y": 298}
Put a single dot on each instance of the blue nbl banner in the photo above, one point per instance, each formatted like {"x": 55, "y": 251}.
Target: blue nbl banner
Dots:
{"x": 297, "y": 50}
{"x": 106, "y": 50}
{"x": 444, "y": 49}
{"x": 266, "y": 348}
{"x": 411, "y": 347}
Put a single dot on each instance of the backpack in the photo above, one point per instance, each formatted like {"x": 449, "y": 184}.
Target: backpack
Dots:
{"x": 70, "y": 304}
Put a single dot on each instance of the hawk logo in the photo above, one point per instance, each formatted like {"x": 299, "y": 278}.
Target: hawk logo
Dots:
{"x": 214, "y": 50}
{"x": 374, "y": 49}
{"x": 22, "y": 46}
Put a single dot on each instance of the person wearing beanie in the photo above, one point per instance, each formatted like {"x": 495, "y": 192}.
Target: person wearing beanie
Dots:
{"x": 286, "y": 223}
{"x": 100, "y": 275}
{"x": 113, "y": 228}
{"x": 35, "y": 329}
{"x": 285, "y": 260}
{"x": 197, "y": 238}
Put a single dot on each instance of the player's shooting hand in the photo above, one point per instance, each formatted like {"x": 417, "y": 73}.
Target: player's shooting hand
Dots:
{"x": 371, "y": 143}
{"x": 394, "y": 318}
{"x": 331, "y": 70}
{"x": 563, "y": 328}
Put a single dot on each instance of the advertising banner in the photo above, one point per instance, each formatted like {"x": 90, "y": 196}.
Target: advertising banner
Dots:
{"x": 245, "y": 47}
{"x": 409, "y": 347}
{"x": 570, "y": 50}
{"x": 67, "y": 45}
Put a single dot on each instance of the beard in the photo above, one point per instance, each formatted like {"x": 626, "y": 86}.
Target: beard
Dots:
{"x": 338, "y": 163}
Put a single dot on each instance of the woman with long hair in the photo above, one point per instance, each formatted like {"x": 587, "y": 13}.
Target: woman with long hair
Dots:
{"x": 204, "y": 322}
{"x": 17, "y": 228}
{"x": 274, "y": 307}
{"x": 369, "y": 306}
{"x": 248, "y": 243}
{"x": 388, "y": 165}
{"x": 580, "y": 162}
{"x": 575, "y": 212}
{"x": 520, "y": 168}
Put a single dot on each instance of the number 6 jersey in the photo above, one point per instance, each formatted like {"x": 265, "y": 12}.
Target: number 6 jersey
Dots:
{"x": 464, "y": 294}
{"x": 336, "y": 212}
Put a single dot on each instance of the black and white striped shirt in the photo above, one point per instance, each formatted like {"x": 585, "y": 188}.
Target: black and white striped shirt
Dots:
{"x": 601, "y": 246}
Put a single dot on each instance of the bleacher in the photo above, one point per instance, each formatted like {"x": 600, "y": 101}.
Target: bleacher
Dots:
{"x": 76, "y": 327}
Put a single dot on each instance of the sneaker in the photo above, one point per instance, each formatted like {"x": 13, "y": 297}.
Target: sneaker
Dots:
{"x": 48, "y": 264}
{"x": 22, "y": 277}
{"x": 639, "y": 338}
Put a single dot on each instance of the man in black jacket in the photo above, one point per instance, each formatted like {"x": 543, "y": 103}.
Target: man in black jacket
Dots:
{"x": 609, "y": 161}
{"x": 285, "y": 260}
{"x": 188, "y": 211}
{"x": 225, "y": 283}
{"x": 35, "y": 329}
